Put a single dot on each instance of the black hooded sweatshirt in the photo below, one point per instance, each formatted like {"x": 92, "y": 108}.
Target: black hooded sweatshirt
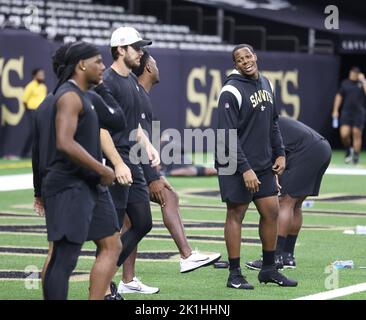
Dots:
{"x": 248, "y": 105}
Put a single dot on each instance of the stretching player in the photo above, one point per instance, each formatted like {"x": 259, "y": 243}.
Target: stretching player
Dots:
{"x": 246, "y": 104}
{"x": 308, "y": 155}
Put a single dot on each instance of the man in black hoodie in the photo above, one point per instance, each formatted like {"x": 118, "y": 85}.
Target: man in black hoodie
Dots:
{"x": 247, "y": 108}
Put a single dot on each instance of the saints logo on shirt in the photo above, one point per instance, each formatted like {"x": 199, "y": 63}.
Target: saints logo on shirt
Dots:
{"x": 260, "y": 96}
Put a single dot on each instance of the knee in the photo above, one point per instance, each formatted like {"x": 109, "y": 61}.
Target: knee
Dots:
{"x": 118, "y": 245}
{"x": 72, "y": 264}
{"x": 235, "y": 214}
{"x": 111, "y": 247}
{"x": 145, "y": 228}
{"x": 271, "y": 215}
{"x": 175, "y": 197}
{"x": 171, "y": 197}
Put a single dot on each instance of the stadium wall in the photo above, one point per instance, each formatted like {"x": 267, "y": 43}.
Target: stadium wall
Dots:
{"x": 186, "y": 96}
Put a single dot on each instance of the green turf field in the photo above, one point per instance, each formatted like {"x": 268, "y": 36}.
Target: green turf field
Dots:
{"x": 23, "y": 243}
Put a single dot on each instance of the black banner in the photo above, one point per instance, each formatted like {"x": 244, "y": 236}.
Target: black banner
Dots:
{"x": 187, "y": 94}
{"x": 20, "y": 53}
{"x": 352, "y": 44}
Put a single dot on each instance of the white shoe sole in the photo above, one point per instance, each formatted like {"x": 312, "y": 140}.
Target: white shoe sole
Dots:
{"x": 213, "y": 258}
{"x": 128, "y": 290}
{"x": 251, "y": 267}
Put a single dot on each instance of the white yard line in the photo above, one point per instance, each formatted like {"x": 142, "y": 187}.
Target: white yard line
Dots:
{"x": 16, "y": 182}
{"x": 335, "y": 293}
{"x": 346, "y": 171}
{"x": 25, "y": 181}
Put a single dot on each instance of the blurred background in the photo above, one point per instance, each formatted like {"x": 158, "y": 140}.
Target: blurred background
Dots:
{"x": 304, "y": 47}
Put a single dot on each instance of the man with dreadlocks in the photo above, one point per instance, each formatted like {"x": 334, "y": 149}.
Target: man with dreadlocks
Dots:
{"x": 74, "y": 186}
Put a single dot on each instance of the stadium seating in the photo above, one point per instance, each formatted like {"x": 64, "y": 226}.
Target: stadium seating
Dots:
{"x": 84, "y": 20}
{"x": 170, "y": 24}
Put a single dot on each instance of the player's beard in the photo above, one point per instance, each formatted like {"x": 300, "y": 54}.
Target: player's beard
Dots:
{"x": 130, "y": 63}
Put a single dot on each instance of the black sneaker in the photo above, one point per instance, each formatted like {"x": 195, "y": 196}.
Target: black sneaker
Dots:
{"x": 356, "y": 158}
{"x": 114, "y": 295}
{"x": 257, "y": 264}
{"x": 237, "y": 281}
{"x": 289, "y": 261}
{"x": 279, "y": 262}
{"x": 348, "y": 158}
{"x": 254, "y": 265}
{"x": 270, "y": 274}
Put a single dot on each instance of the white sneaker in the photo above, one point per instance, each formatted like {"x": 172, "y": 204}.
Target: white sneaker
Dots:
{"x": 197, "y": 260}
{"x": 136, "y": 286}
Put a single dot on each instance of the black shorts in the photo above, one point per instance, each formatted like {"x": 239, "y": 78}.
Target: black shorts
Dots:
{"x": 72, "y": 213}
{"x": 119, "y": 195}
{"x": 353, "y": 120}
{"x": 233, "y": 190}
{"x": 105, "y": 221}
{"x": 305, "y": 170}
{"x": 137, "y": 192}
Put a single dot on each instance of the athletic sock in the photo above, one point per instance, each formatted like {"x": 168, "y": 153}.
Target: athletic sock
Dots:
{"x": 234, "y": 263}
{"x": 290, "y": 243}
{"x": 268, "y": 258}
{"x": 280, "y": 244}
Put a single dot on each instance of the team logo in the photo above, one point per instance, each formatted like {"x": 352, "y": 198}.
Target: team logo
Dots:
{"x": 227, "y": 106}
{"x": 92, "y": 107}
{"x": 111, "y": 110}
{"x": 143, "y": 115}
{"x": 263, "y": 107}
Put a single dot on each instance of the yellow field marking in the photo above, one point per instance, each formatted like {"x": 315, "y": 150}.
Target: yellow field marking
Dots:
{"x": 23, "y": 206}
{"x": 16, "y": 165}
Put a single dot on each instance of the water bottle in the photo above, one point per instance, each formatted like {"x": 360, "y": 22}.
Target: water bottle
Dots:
{"x": 343, "y": 264}
{"x": 335, "y": 123}
{"x": 360, "y": 229}
{"x": 308, "y": 204}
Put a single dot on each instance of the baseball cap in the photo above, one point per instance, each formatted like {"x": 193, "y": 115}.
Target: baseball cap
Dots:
{"x": 124, "y": 36}
{"x": 355, "y": 69}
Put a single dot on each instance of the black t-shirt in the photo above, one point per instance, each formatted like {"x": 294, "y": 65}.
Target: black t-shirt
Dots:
{"x": 297, "y": 136}
{"x": 126, "y": 92}
{"x": 146, "y": 118}
{"x": 147, "y": 115}
{"x": 110, "y": 117}
{"x": 353, "y": 97}
{"x": 41, "y": 153}
{"x": 62, "y": 171}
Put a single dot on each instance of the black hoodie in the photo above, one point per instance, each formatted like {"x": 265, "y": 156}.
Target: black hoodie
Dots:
{"x": 248, "y": 105}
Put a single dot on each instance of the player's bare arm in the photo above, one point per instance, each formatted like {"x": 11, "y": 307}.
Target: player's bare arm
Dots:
{"x": 68, "y": 108}
{"x": 121, "y": 170}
